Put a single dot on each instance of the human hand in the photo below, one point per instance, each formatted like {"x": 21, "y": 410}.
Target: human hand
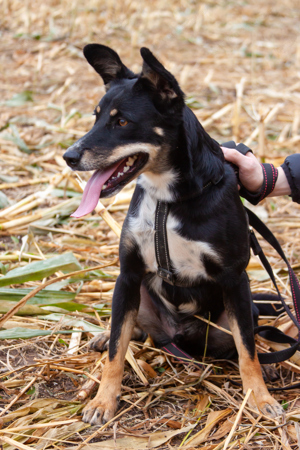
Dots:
{"x": 250, "y": 170}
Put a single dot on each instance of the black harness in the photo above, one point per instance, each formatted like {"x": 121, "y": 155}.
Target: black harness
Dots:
{"x": 164, "y": 267}
{"x": 166, "y": 271}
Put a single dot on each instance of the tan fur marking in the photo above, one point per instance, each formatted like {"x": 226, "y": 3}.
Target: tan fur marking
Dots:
{"x": 127, "y": 241}
{"x": 158, "y": 131}
{"x": 98, "y": 109}
{"x": 130, "y": 149}
{"x": 251, "y": 375}
{"x": 90, "y": 161}
{"x": 113, "y": 112}
{"x": 110, "y": 387}
{"x": 188, "y": 308}
{"x": 159, "y": 183}
{"x": 116, "y": 366}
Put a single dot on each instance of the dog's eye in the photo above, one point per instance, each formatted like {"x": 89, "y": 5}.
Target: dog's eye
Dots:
{"x": 122, "y": 122}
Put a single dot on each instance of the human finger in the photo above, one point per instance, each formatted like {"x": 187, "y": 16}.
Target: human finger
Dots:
{"x": 233, "y": 156}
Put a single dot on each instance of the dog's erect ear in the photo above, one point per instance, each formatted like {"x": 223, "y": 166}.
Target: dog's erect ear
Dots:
{"x": 106, "y": 62}
{"x": 163, "y": 81}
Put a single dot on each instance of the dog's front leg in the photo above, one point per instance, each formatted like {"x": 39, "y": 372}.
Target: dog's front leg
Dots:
{"x": 237, "y": 302}
{"x": 125, "y": 307}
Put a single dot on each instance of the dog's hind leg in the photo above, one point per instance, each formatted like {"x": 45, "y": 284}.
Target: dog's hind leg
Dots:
{"x": 237, "y": 302}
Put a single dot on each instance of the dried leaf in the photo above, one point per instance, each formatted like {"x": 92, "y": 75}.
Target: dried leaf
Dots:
{"x": 224, "y": 428}
{"x": 44, "y": 297}
{"x": 42, "y": 406}
{"x": 292, "y": 431}
{"x": 25, "y": 333}
{"x": 150, "y": 373}
{"x": 20, "y": 99}
{"x": 201, "y": 405}
{"x": 4, "y": 202}
{"x": 212, "y": 419}
{"x": 68, "y": 321}
{"x": 59, "y": 433}
{"x": 15, "y": 137}
{"x": 175, "y": 424}
{"x": 26, "y": 310}
{"x": 41, "y": 269}
{"x": 149, "y": 441}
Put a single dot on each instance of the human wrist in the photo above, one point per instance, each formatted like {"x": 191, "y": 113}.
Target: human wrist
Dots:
{"x": 282, "y": 186}
{"x": 257, "y": 181}
{"x": 270, "y": 175}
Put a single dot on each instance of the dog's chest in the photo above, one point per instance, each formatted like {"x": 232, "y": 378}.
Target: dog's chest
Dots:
{"x": 186, "y": 255}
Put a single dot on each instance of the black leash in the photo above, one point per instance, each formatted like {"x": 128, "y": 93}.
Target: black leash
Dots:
{"x": 182, "y": 356}
{"x": 269, "y": 172}
{"x": 268, "y": 332}
{"x": 285, "y": 388}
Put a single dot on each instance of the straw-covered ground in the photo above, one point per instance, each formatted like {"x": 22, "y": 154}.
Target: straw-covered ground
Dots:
{"x": 239, "y": 64}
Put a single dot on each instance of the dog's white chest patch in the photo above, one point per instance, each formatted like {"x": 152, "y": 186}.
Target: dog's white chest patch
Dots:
{"x": 186, "y": 255}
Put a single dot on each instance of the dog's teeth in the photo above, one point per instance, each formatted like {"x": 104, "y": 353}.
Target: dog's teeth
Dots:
{"x": 130, "y": 161}
{"x": 125, "y": 169}
{"x": 104, "y": 186}
{"x": 120, "y": 174}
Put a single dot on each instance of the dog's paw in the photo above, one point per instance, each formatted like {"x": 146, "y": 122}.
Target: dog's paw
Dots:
{"x": 270, "y": 374}
{"x": 269, "y": 407}
{"x": 100, "y": 411}
{"x": 100, "y": 342}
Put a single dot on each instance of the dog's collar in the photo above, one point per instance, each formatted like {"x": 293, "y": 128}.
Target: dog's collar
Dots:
{"x": 165, "y": 269}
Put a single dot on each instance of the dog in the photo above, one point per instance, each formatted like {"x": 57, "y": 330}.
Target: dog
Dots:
{"x": 144, "y": 130}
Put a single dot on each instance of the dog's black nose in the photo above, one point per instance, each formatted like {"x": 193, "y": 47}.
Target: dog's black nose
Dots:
{"x": 72, "y": 157}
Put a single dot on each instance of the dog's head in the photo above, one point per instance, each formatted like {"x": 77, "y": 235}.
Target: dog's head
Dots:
{"x": 136, "y": 121}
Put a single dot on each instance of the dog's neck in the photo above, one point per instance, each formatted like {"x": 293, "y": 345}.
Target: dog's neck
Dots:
{"x": 159, "y": 185}
{"x": 195, "y": 160}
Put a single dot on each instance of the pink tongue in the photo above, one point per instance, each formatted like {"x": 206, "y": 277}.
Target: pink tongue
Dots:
{"x": 92, "y": 191}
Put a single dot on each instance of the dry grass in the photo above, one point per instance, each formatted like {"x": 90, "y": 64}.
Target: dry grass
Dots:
{"x": 239, "y": 63}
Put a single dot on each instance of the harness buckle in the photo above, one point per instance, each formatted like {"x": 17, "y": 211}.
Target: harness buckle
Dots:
{"x": 166, "y": 275}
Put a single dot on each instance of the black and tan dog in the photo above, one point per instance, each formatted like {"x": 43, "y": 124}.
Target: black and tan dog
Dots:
{"x": 144, "y": 129}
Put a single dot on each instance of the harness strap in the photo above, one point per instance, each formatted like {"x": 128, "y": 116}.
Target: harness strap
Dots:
{"x": 164, "y": 267}
{"x": 165, "y": 270}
